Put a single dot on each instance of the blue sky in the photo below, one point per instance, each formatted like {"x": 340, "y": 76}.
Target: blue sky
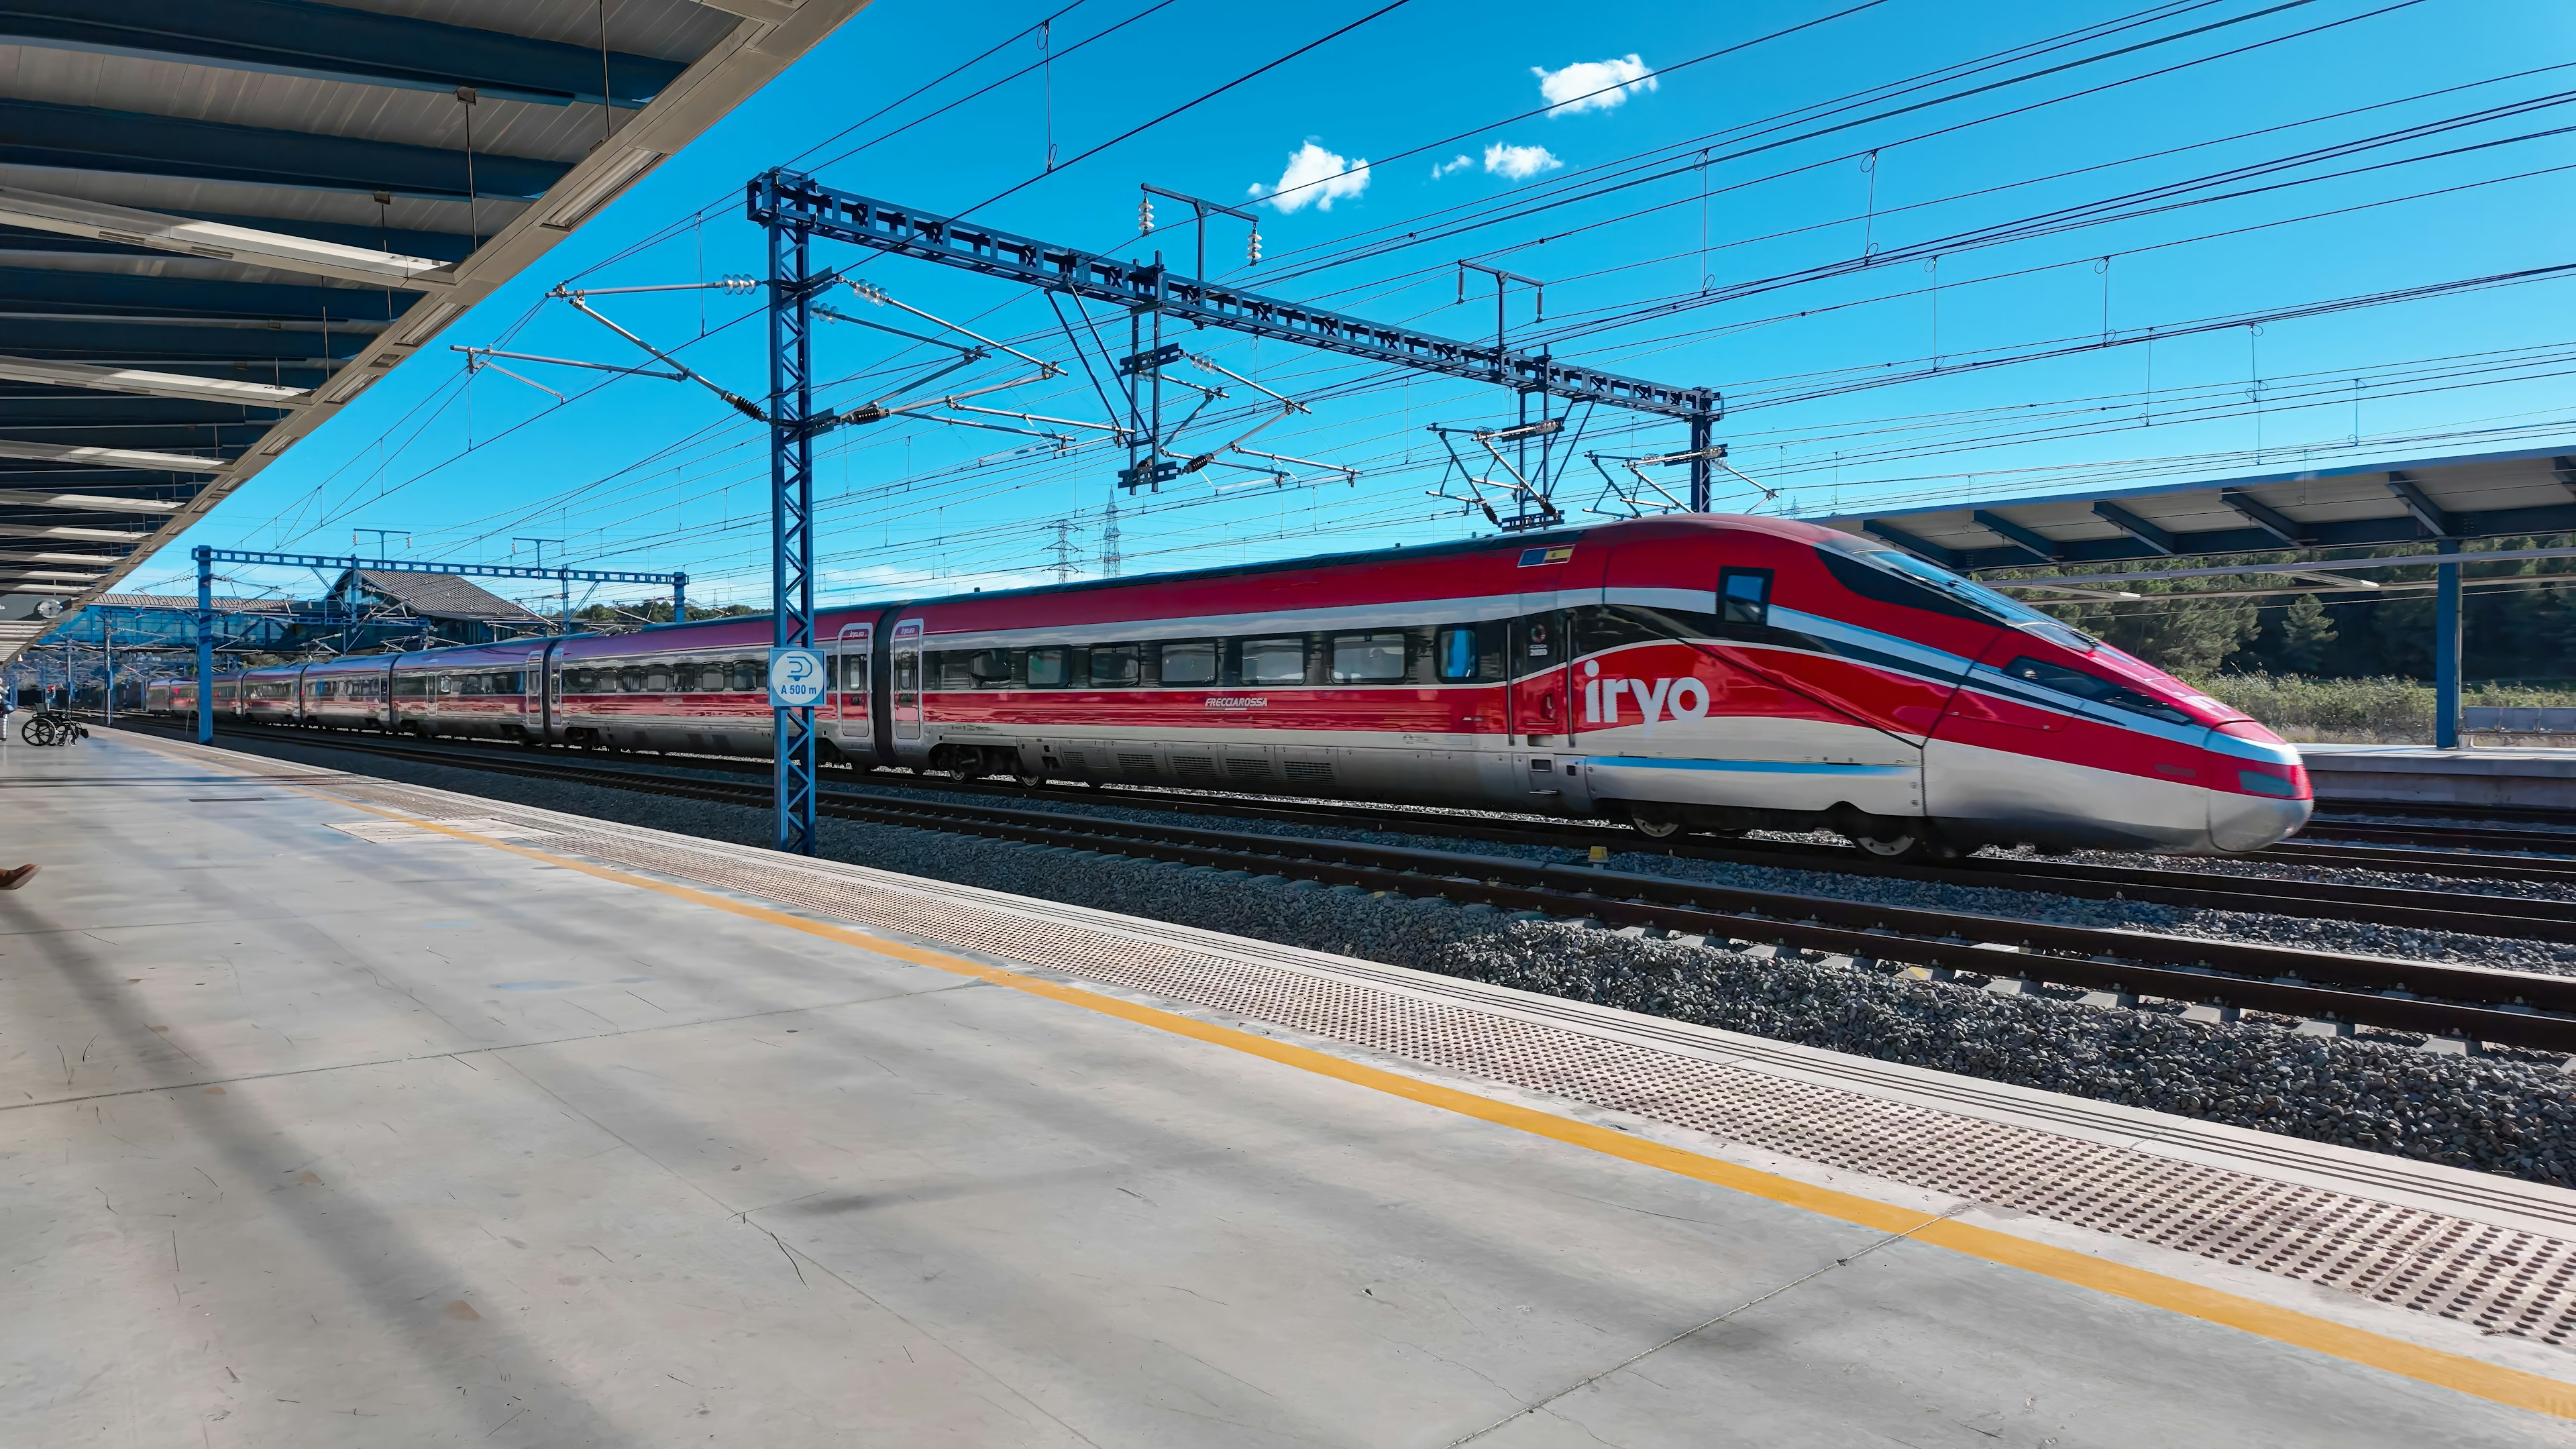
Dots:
{"x": 1847, "y": 383}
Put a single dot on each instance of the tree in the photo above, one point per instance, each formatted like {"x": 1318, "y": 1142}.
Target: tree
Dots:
{"x": 2299, "y": 637}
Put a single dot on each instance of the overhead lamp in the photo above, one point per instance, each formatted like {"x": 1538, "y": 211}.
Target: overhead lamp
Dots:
{"x": 46, "y": 589}
{"x": 110, "y": 457}
{"x": 767, "y": 12}
{"x": 92, "y": 502}
{"x": 149, "y": 384}
{"x": 601, "y": 188}
{"x": 424, "y": 319}
{"x": 348, "y": 383}
{"x": 71, "y": 531}
{"x": 71, "y": 216}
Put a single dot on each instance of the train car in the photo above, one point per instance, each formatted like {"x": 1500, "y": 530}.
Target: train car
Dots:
{"x": 347, "y": 693}
{"x": 1703, "y": 672}
{"x": 1708, "y": 673}
{"x": 272, "y": 695}
{"x": 484, "y": 691}
{"x": 693, "y": 687}
{"x": 178, "y": 696}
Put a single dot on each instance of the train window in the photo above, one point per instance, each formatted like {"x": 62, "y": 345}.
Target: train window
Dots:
{"x": 1046, "y": 667}
{"x": 1457, "y": 654}
{"x": 1116, "y": 666}
{"x": 1190, "y": 663}
{"x": 852, "y": 675}
{"x": 907, "y": 670}
{"x": 2093, "y": 687}
{"x": 630, "y": 679}
{"x": 514, "y": 682}
{"x": 1275, "y": 661}
{"x": 989, "y": 666}
{"x": 1376, "y": 658}
{"x": 1535, "y": 644}
{"x": 1744, "y": 595}
{"x": 747, "y": 676}
{"x": 657, "y": 678}
{"x": 1875, "y": 571}
{"x": 410, "y": 686}
{"x": 449, "y": 684}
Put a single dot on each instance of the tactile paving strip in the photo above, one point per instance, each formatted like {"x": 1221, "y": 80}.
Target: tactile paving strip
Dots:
{"x": 2498, "y": 1279}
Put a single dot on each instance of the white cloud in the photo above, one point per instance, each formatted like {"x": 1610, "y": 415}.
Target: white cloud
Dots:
{"x": 1571, "y": 91}
{"x": 1314, "y": 175}
{"x": 1518, "y": 163}
{"x": 1455, "y": 163}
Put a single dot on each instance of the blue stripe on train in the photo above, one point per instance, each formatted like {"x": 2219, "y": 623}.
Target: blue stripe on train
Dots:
{"x": 1761, "y": 767}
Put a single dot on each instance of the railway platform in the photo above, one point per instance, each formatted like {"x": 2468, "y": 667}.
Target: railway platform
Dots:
{"x": 2520, "y": 778}
{"x": 340, "y": 1111}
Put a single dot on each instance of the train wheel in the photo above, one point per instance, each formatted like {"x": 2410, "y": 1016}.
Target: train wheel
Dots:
{"x": 1654, "y": 826}
{"x": 1917, "y": 845}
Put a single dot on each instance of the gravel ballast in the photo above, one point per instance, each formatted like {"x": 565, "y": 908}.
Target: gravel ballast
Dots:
{"x": 2494, "y": 1114}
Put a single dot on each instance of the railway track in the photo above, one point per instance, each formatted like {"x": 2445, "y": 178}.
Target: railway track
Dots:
{"x": 2474, "y": 914}
{"x": 2443, "y": 837}
{"x": 2514, "y": 1008}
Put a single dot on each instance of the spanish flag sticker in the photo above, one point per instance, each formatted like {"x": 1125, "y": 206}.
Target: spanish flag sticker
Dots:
{"x": 1533, "y": 557}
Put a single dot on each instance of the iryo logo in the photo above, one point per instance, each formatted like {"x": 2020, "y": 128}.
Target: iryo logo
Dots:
{"x": 1683, "y": 698}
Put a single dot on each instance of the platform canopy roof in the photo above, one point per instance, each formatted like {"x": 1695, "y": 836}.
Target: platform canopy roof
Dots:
{"x": 221, "y": 220}
{"x": 436, "y": 596}
{"x": 2485, "y": 495}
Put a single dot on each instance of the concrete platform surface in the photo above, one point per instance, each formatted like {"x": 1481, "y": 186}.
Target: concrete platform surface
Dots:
{"x": 2421, "y": 774}
{"x": 326, "y": 1126}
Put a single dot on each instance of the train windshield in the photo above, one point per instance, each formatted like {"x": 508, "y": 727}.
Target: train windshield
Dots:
{"x": 1975, "y": 596}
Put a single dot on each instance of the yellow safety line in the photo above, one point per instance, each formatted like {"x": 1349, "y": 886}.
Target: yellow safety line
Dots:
{"x": 2471, "y": 1376}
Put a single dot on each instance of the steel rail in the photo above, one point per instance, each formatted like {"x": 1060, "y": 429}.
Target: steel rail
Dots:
{"x": 2513, "y": 1008}
{"x": 2470, "y": 914}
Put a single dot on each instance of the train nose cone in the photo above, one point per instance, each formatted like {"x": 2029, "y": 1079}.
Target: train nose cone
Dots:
{"x": 2251, "y": 822}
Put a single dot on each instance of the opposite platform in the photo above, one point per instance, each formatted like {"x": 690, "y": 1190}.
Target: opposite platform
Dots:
{"x": 348, "y": 1112}
{"x": 2423, "y": 775}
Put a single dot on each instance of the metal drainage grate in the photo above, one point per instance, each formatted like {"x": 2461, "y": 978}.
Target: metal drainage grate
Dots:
{"x": 2498, "y": 1279}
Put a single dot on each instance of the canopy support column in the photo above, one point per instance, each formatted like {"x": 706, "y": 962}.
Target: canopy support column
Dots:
{"x": 205, "y": 645}
{"x": 2446, "y": 650}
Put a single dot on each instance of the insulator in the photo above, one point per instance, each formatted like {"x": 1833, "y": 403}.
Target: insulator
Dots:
{"x": 1252, "y": 248}
{"x": 1144, "y": 215}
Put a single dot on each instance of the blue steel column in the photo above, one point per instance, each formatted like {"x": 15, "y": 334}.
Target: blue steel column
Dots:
{"x": 1701, "y": 475}
{"x": 791, "y": 512}
{"x": 205, "y": 645}
{"x": 679, "y": 598}
{"x": 2446, "y": 650}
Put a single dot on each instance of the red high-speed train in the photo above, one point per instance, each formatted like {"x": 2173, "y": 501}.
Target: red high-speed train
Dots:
{"x": 1700, "y": 672}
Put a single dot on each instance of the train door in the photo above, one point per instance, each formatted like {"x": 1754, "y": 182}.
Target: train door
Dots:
{"x": 1540, "y": 702}
{"x": 532, "y": 696}
{"x": 850, "y": 681}
{"x": 907, "y": 680}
